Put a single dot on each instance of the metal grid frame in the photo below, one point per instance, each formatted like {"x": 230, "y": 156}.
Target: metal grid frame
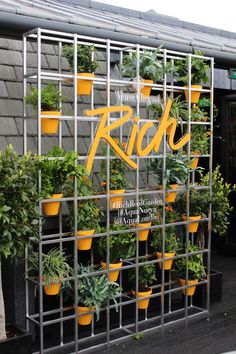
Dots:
{"x": 157, "y": 321}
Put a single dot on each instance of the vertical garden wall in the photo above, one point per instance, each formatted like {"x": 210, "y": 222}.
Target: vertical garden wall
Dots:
{"x": 118, "y": 251}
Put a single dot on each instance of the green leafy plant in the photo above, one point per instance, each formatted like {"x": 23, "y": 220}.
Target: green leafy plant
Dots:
{"x": 221, "y": 207}
{"x": 19, "y": 211}
{"x": 177, "y": 169}
{"x": 85, "y": 63}
{"x": 199, "y": 141}
{"x": 199, "y": 69}
{"x": 194, "y": 262}
{"x": 178, "y": 110}
{"x": 50, "y": 98}
{"x": 54, "y": 266}
{"x": 198, "y": 115}
{"x": 198, "y": 202}
{"x": 56, "y": 169}
{"x": 146, "y": 276}
{"x": 94, "y": 290}
{"x": 117, "y": 170}
{"x": 122, "y": 246}
{"x": 170, "y": 243}
{"x": 87, "y": 216}
{"x": 151, "y": 66}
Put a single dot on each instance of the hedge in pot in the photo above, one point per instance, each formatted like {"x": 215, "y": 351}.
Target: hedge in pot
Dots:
{"x": 195, "y": 269}
{"x": 151, "y": 68}
{"x": 55, "y": 269}
{"x": 198, "y": 206}
{"x": 170, "y": 245}
{"x": 122, "y": 246}
{"x": 146, "y": 277}
{"x": 19, "y": 214}
{"x": 56, "y": 168}
{"x": 176, "y": 172}
{"x": 117, "y": 177}
{"x": 199, "y": 71}
{"x": 50, "y": 106}
{"x": 93, "y": 293}
{"x": 86, "y": 66}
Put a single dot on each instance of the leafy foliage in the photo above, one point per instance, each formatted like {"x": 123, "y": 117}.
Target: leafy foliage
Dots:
{"x": 178, "y": 110}
{"x": 87, "y": 216}
{"x": 199, "y": 69}
{"x": 198, "y": 199}
{"x": 122, "y": 246}
{"x": 170, "y": 240}
{"x": 177, "y": 169}
{"x": 94, "y": 290}
{"x": 19, "y": 197}
{"x": 198, "y": 115}
{"x": 199, "y": 141}
{"x": 146, "y": 276}
{"x": 54, "y": 265}
{"x": 117, "y": 170}
{"x": 85, "y": 63}
{"x": 151, "y": 67}
{"x": 171, "y": 215}
{"x": 50, "y": 98}
{"x": 56, "y": 169}
{"x": 194, "y": 262}
{"x": 220, "y": 200}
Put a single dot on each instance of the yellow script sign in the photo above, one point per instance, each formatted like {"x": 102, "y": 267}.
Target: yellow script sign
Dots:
{"x": 136, "y": 135}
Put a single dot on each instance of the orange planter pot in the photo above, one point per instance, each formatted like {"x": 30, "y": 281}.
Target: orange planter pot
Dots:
{"x": 52, "y": 208}
{"x": 195, "y": 95}
{"x": 146, "y": 90}
{"x": 113, "y": 276}
{"x": 84, "y": 86}
{"x": 195, "y": 160}
{"x": 193, "y": 227}
{"x": 168, "y": 262}
{"x": 190, "y": 291}
{"x": 142, "y": 304}
{"x": 86, "y": 243}
{"x": 85, "y": 319}
{"x": 116, "y": 202}
{"x": 52, "y": 288}
{"x": 171, "y": 196}
{"x": 50, "y": 125}
{"x": 143, "y": 234}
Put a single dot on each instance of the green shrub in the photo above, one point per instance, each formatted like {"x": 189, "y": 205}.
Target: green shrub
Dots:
{"x": 146, "y": 276}
{"x": 194, "y": 262}
{"x": 85, "y": 64}
{"x": 50, "y": 98}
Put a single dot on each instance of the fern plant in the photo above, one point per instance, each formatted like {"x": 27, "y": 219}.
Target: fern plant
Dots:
{"x": 50, "y": 98}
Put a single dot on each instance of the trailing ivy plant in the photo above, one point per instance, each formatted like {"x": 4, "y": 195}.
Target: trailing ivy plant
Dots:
{"x": 146, "y": 276}
{"x": 195, "y": 265}
{"x": 151, "y": 66}
{"x": 199, "y": 69}
{"x": 54, "y": 266}
{"x": 177, "y": 169}
{"x": 122, "y": 246}
{"x": 85, "y": 63}
{"x": 94, "y": 290}
{"x": 50, "y": 98}
{"x": 19, "y": 210}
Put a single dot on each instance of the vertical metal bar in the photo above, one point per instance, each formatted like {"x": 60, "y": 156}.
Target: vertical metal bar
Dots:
{"x": 40, "y": 223}
{"x": 75, "y": 201}
{"x": 121, "y": 137}
{"x": 210, "y": 184}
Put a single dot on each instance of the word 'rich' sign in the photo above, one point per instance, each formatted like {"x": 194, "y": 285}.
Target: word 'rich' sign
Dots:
{"x": 136, "y": 135}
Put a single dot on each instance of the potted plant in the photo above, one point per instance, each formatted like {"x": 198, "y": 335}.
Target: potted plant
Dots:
{"x": 197, "y": 205}
{"x": 55, "y": 269}
{"x": 19, "y": 215}
{"x": 199, "y": 71}
{"x": 195, "y": 269}
{"x": 199, "y": 143}
{"x": 86, "y": 66}
{"x": 170, "y": 245}
{"x": 146, "y": 277}
{"x": 50, "y": 106}
{"x": 94, "y": 291}
{"x": 151, "y": 68}
{"x": 56, "y": 168}
{"x": 176, "y": 172}
{"x": 117, "y": 177}
{"x": 121, "y": 246}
